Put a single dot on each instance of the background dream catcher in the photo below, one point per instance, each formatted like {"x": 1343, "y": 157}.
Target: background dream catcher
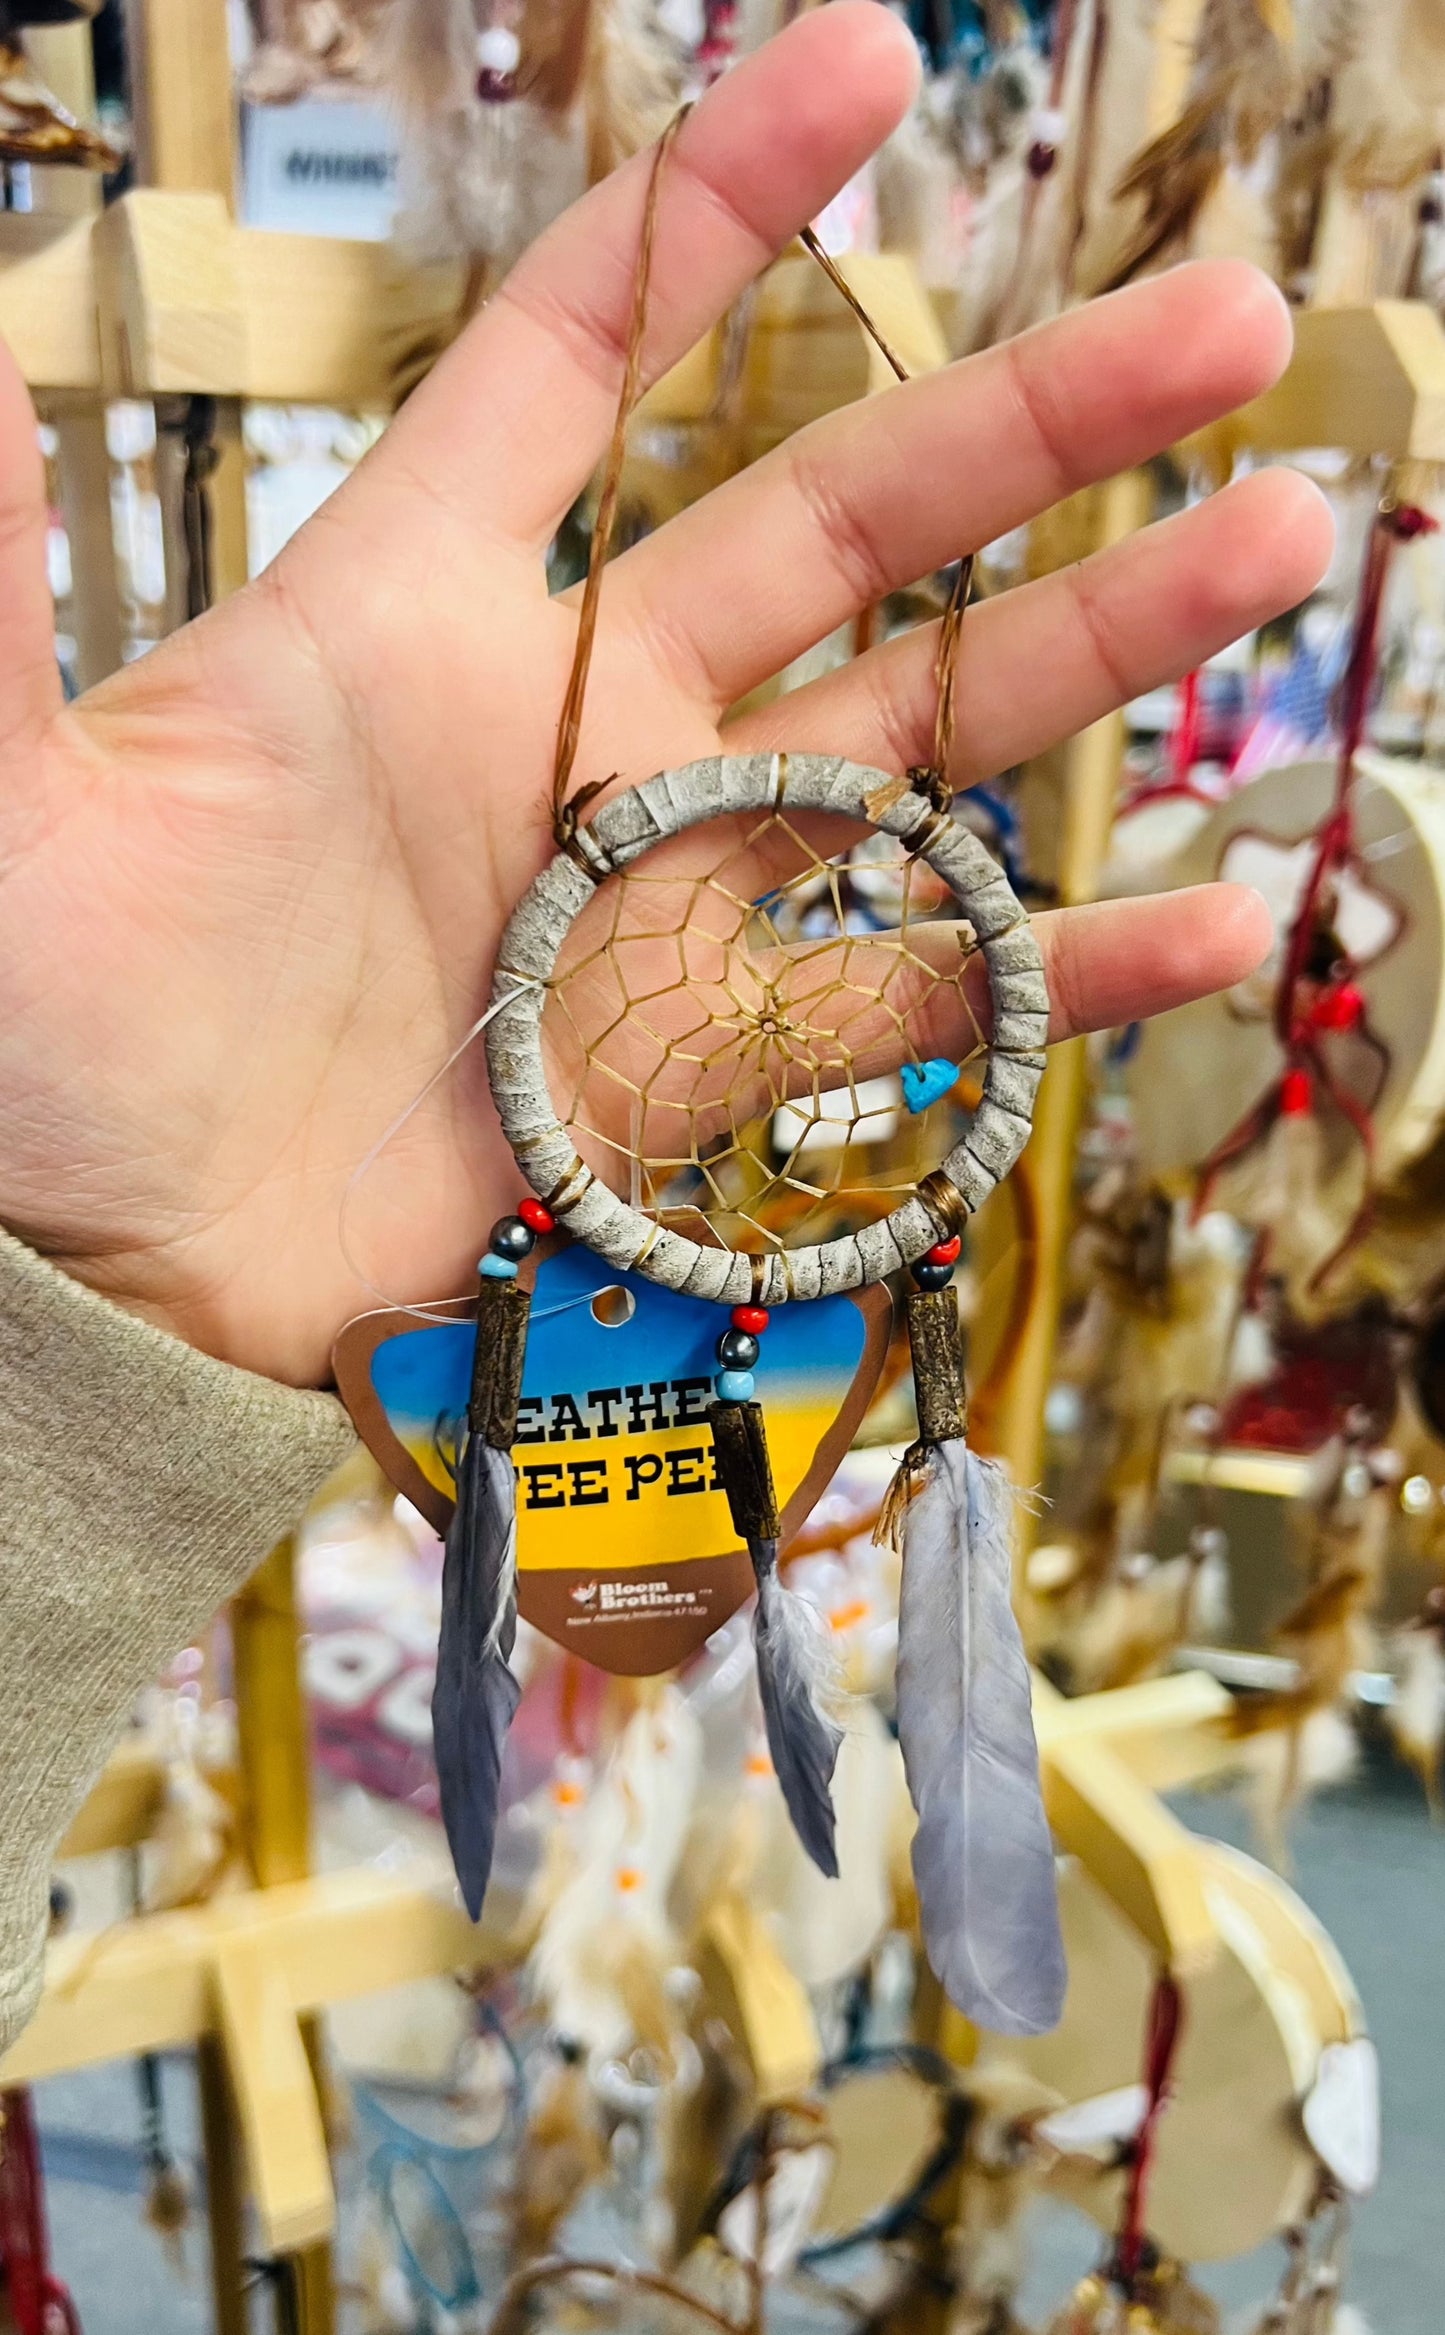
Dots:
{"x": 702, "y": 1010}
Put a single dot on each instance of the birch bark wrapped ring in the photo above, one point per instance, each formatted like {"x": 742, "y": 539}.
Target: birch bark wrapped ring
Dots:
{"x": 768, "y": 1029}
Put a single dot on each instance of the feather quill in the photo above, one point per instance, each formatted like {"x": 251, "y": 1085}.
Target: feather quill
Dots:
{"x": 795, "y": 1681}
{"x": 1242, "y": 86}
{"x": 983, "y": 1860}
{"x": 1417, "y": 1714}
{"x": 476, "y": 1692}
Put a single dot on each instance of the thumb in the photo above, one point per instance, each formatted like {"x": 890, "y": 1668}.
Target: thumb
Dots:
{"x": 30, "y": 693}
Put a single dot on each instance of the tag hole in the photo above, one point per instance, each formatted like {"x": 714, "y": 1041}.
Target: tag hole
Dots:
{"x": 613, "y": 1307}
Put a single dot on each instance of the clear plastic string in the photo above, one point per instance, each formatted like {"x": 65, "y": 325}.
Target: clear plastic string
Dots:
{"x": 544, "y": 1313}
{"x": 421, "y": 1313}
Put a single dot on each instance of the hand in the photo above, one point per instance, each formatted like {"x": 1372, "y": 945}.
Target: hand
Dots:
{"x": 250, "y": 888}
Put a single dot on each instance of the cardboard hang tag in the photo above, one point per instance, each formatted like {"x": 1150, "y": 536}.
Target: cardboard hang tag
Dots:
{"x": 625, "y": 1549}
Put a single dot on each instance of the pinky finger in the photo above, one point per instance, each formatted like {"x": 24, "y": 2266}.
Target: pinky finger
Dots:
{"x": 1042, "y": 662}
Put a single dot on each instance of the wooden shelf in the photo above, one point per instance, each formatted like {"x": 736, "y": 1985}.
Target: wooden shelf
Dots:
{"x": 1370, "y": 380}
{"x": 164, "y": 291}
{"x": 1277, "y": 1475}
{"x": 247, "y": 1968}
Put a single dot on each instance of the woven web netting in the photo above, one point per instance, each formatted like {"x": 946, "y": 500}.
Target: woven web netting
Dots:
{"x": 728, "y": 1018}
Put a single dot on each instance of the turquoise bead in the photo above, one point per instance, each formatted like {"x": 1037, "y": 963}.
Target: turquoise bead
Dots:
{"x": 498, "y": 1268}
{"x": 735, "y": 1386}
{"x": 925, "y": 1082}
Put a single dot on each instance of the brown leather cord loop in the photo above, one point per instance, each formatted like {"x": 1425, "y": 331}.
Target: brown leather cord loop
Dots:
{"x": 932, "y": 781}
{"x": 567, "y": 809}
{"x": 944, "y": 1201}
{"x": 569, "y": 1188}
{"x": 565, "y": 813}
{"x": 840, "y": 284}
{"x": 950, "y": 636}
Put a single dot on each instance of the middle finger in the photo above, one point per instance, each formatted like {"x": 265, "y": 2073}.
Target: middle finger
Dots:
{"x": 890, "y": 488}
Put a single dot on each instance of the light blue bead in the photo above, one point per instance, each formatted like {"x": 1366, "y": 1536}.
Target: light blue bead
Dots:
{"x": 925, "y": 1082}
{"x": 734, "y": 1386}
{"x": 498, "y": 1268}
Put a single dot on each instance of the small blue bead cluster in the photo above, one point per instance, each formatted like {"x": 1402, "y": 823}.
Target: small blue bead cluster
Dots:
{"x": 737, "y": 1352}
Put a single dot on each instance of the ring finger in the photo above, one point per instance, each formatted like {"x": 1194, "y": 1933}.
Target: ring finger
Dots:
{"x": 1042, "y": 662}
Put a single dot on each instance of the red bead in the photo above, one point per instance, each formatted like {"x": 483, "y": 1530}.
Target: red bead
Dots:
{"x": 1296, "y": 1094}
{"x": 1408, "y": 521}
{"x": 944, "y": 1252}
{"x": 752, "y": 1318}
{"x": 1339, "y": 1009}
{"x": 1041, "y": 158}
{"x": 535, "y": 1216}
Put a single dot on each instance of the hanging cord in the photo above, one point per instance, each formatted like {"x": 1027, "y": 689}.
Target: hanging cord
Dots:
{"x": 932, "y": 781}
{"x": 277, "y": 2275}
{"x": 1038, "y": 174}
{"x": 567, "y": 809}
{"x": 1188, "y": 731}
{"x": 1166, "y": 2021}
{"x": 1336, "y": 839}
{"x": 192, "y": 422}
{"x": 1300, "y": 1023}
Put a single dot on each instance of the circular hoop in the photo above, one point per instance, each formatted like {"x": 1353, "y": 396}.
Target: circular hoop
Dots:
{"x": 631, "y": 824}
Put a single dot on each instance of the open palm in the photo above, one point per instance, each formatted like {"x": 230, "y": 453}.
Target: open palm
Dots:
{"x": 250, "y": 889}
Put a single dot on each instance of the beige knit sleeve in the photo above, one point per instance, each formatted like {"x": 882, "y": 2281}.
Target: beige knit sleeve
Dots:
{"x": 140, "y": 1482}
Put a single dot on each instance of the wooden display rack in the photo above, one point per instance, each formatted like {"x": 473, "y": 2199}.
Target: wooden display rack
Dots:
{"x": 166, "y": 293}
{"x": 1368, "y": 379}
{"x": 246, "y": 1971}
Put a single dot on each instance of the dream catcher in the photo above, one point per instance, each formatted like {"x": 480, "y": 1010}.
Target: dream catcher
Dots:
{"x": 1307, "y": 2300}
{"x": 1241, "y": 89}
{"x": 510, "y": 109}
{"x": 1326, "y": 1635}
{"x": 1162, "y": 2073}
{"x": 34, "y": 125}
{"x": 305, "y": 45}
{"x": 697, "y": 1030}
{"x": 1334, "y": 1041}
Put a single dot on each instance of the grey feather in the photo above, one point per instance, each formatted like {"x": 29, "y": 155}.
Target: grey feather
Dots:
{"x": 795, "y": 1680}
{"x": 983, "y": 1860}
{"x": 476, "y": 1693}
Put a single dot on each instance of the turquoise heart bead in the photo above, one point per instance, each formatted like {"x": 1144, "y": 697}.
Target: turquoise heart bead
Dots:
{"x": 927, "y": 1082}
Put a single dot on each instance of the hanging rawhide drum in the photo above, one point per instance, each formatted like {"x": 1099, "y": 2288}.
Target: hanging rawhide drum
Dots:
{"x": 1271, "y": 2041}
{"x": 1296, "y": 1122}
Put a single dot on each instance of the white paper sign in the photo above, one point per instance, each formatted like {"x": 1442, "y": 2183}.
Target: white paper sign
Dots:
{"x": 320, "y": 167}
